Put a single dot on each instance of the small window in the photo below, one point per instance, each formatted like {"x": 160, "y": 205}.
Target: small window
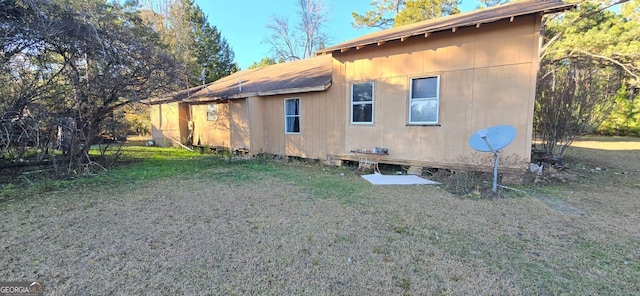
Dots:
{"x": 362, "y": 103}
{"x": 292, "y": 116}
{"x": 424, "y": 100}
{"x": 212, "y": 112}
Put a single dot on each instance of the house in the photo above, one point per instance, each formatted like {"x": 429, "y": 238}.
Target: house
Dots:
{"x": 419, "y": 90}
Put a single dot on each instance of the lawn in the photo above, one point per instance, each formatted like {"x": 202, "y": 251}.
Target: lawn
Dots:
{"x": 175, "y": 222}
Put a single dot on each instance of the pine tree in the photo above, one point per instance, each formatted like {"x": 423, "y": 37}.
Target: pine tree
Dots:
{"x": 199, "y": 47}
{"x": 391, "y": 13}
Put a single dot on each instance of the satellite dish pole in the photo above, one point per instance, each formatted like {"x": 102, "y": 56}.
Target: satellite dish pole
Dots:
{"x": 492, "y": 140}
{"x": 495, "y": 164}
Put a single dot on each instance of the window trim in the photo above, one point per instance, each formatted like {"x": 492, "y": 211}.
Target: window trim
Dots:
{"x": 372, "y": 102}
{"x": 299, "y": 115}
{"x": 217, "y": 110}
{"x": 436, "y": 99}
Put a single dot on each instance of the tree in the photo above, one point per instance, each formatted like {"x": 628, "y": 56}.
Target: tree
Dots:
{"x": 391, "y": 13}
{"x": 136, "y": 117}
{"x": 305, "y": 38}
{"x": 65, "y": 75}
{"x": 211, "y": 51}
{"x": 382, "y": 17}
{"x": 420, "y": 10}
{"x": 266, "y": 61}
{"x": 199, "y": 47}
{"x": 624, "y": 119}
{"x": 573, "y": 99}
{"x": 490, "y": 3}
{"x": 588, "y": 56}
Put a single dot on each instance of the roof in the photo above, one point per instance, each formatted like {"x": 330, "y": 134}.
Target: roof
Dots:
{"x": 173, "y": 96}
{"x": 474, "y": 18}
{"x": 311, "y": 74}
{"x": 314, "y": 74}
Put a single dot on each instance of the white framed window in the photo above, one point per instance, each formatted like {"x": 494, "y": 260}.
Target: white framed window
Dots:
{"x": 292, "y": 116}
{"x": 424, "y": 100}
{"x": 212, "y": 112}
{"x": 362, "y": 103}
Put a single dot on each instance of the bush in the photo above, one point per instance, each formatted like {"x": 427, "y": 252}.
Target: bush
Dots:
{"x": 462, "y": 182}
{"x": 625, "y": 116}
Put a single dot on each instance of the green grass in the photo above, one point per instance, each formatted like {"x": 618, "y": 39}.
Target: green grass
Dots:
{"x": 136, "y": 164}
{"x": 143, "y": 164}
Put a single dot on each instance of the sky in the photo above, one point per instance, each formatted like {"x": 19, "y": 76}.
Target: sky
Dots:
{"x": 243, "y": 22}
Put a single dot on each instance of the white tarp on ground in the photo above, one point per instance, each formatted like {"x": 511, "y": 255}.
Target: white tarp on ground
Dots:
{"x": 378, "y": 179}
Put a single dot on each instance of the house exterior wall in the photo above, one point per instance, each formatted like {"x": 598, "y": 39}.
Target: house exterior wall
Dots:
{"x": 169, "y": 123}
{"x": 337, "y": 118}
{"x": 487, "y": 77}
{"x": 212, "y": 133}
{"x": 312, "y": 141}
{"x": 231, "y": 129}
{"x": 240, "y": 136}
{"x": 256, "y": 114}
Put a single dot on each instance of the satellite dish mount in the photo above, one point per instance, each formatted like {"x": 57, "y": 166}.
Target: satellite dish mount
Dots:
{"x": 493, "y": 139}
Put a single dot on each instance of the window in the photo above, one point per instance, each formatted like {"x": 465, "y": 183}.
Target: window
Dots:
{"x": 362, "y": 103}
{"x": 212, "y": 112}
{"x": 292, "y": 116}
{"x": 424, "y": 100}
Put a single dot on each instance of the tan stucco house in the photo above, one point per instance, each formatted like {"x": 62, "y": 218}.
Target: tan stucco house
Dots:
{"x": 419, "y": 90}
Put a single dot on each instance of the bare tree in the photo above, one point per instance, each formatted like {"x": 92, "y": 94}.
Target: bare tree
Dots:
{"x": 573, "y": 99}
{"x": 588, "y": 56}
{"x": 293, "y": 43}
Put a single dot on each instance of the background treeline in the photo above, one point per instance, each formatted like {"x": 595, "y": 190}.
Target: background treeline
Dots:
{"x": 624, "y": 119}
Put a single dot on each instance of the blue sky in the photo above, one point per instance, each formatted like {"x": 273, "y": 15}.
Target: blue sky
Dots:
{"x": 243, "y": 22}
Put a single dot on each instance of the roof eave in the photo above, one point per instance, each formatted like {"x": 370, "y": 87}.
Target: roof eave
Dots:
{"x": 285, "y": 91}
{"x": 426, "y": 32}
{"x": 172, "y": 97}
{"x": 202, "y": 99}
{"x": 161, "y": 100}
{"x": 296, "y": 90}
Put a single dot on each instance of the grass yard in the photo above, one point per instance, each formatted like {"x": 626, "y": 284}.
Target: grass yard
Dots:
{"x": 175, "y": 222}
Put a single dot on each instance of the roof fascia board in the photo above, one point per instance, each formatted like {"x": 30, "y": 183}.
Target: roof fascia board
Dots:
{"x": 202, "y": 99}
{"x": 426, "y": 31}
{"x": 295, "y": 90}
{"x": 281, "y": 91}
{"x": 452, "y": 28}
{"x": 156, "y": 101}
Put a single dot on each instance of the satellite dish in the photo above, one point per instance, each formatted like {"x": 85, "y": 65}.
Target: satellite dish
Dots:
{"x": 493, "y": 139}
